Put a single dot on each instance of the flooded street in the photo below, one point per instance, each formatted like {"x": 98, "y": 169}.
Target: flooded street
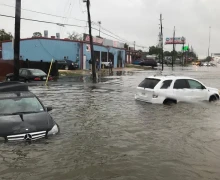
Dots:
{"x": 107, "y": 135}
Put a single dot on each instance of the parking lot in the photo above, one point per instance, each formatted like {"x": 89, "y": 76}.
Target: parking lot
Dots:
{"x": 106, "y": 134}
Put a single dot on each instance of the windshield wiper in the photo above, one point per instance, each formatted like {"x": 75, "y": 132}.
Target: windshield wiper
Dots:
{"x": 23, "y": 112}
{"x": 19, "y": 113}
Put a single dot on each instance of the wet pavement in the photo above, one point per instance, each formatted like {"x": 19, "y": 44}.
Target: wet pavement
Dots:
{"x": 107, "y": 135}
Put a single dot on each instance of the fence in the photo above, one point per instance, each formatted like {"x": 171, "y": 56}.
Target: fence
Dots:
{"x": 7, "y": 66}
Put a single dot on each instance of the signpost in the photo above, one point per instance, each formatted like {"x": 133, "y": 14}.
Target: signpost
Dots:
{"x": 177, "y": 40}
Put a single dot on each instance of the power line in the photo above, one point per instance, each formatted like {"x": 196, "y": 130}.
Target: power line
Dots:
{"x": 43, "y": 13}
{"x": 53, "y": 15}
{"x": 64, "y": 24}
{"x": 48, "y": 22}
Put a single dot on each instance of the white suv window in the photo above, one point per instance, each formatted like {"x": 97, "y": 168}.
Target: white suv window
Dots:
{"x": 166, "y": 84}
{"x": 195, "y": 84}
{"x": 149, "y": 83}
{"x": 181, "y": 84}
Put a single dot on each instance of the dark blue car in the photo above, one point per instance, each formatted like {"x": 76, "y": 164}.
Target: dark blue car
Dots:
{"x": 137, "y": 62}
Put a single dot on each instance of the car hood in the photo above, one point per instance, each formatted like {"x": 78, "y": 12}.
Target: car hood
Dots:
{"x": 16, "y": 124}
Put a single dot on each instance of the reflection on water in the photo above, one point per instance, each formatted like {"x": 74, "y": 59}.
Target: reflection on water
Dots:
{"x": 105, "y": 134}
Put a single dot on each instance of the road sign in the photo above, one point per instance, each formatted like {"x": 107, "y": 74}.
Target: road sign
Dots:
{"x": 185, "y": 48}
{"x": 176, "y": 40}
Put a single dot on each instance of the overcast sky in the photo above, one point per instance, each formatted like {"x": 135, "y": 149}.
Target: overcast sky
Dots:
{"x": 133, "y": 20}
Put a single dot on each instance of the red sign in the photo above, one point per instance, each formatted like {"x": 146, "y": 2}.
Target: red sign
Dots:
{"x": 95, "y": 39}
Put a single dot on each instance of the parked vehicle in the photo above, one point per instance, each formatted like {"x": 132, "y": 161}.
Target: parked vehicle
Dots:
{"x": 171, "y": 89}
{"x": 27, "y": 75}
{"x": 67, "y": 65}
{"x": 149, "y": 62}
{"x": 205, "y": 64}
{"x": 105, "y": 64}
{"x": 137, "y": 62}
{"x": 23, "y": 117}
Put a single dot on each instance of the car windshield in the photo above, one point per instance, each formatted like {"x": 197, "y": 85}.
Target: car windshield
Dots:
{"x": 20, "y": 105}
{"x": 37, "y": 72}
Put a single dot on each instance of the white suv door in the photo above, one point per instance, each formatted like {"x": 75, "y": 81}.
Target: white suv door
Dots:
{"x": 198, "y": 91}
{"x": 181, "y": 90}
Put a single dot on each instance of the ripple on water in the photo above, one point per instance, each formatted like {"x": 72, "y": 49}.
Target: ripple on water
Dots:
{"x": 105, "y": 134}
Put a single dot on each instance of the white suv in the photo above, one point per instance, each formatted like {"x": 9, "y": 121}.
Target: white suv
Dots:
{"x": 173, "y": 89}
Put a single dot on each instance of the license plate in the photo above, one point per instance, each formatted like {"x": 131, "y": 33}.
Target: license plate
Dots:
{"x": 44, "y": 78}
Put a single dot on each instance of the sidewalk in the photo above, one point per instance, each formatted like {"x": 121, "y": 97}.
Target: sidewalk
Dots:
{"x": 101, "y": 71}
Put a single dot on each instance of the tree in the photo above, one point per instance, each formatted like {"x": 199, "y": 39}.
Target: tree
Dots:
{"x": 167, "y": 53}
{"x": 37, "y": 34}
{"x": 154, "y": 50}
{"x": 126, "y": 46}
{"x": 75, "y": 36}
{"x": 4, "y": 36}
{"x": 209, "y": 58}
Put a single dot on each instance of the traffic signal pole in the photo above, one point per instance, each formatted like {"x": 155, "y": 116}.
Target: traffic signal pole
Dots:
{"x": 173, "y": 46}
{"x": 161, "y": 38}
{"x": 183, "y": 55}
{"x": 17, "y": 40}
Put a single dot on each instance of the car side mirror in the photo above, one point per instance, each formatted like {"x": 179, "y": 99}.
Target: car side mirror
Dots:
{"x": 49, "y": 108}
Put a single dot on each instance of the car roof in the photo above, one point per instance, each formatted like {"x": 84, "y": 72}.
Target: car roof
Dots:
{"x": 13, "y": 86}
{"x": 169, "y": 77}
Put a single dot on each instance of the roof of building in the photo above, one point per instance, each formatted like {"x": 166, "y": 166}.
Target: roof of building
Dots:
{"x": 66, "y": 40}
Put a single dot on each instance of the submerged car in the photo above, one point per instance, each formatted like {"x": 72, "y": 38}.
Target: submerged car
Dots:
{"x": 23, "y": 117}
{"x": 67, "y": 65}
{"x": 148, "y": 62}
{"x": 27, "y": 75}
{"x": 174, "y": 89}
{"x": 137, "y": 62}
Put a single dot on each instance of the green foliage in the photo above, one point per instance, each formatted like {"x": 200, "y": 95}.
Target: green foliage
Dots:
{"x": 126, "y": 46}
{"x": 75, "y": 36}
{"x": 154, "y": 50}
{"x": 4, "y": 36}
{"x": 37, "y": 34}
{"x": 209, "y": 58}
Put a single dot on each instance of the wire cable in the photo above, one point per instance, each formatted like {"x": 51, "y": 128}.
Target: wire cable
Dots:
{"x": 64, "y": 24}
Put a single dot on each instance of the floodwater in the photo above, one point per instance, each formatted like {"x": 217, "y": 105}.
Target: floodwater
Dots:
{"x": 107, "y": 135}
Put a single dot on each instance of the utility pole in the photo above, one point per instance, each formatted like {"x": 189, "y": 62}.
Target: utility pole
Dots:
{"x": 161, "y": 38}
{"x": 17, "y": 40}
{"x": 183, "y": 55}
{"x": 173, "y": 46}
{"x": 99, "y": 27}
{"x": 91, "y": 41}
{"x": 134, "y": 51}
{"x": 209, "y": 39}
